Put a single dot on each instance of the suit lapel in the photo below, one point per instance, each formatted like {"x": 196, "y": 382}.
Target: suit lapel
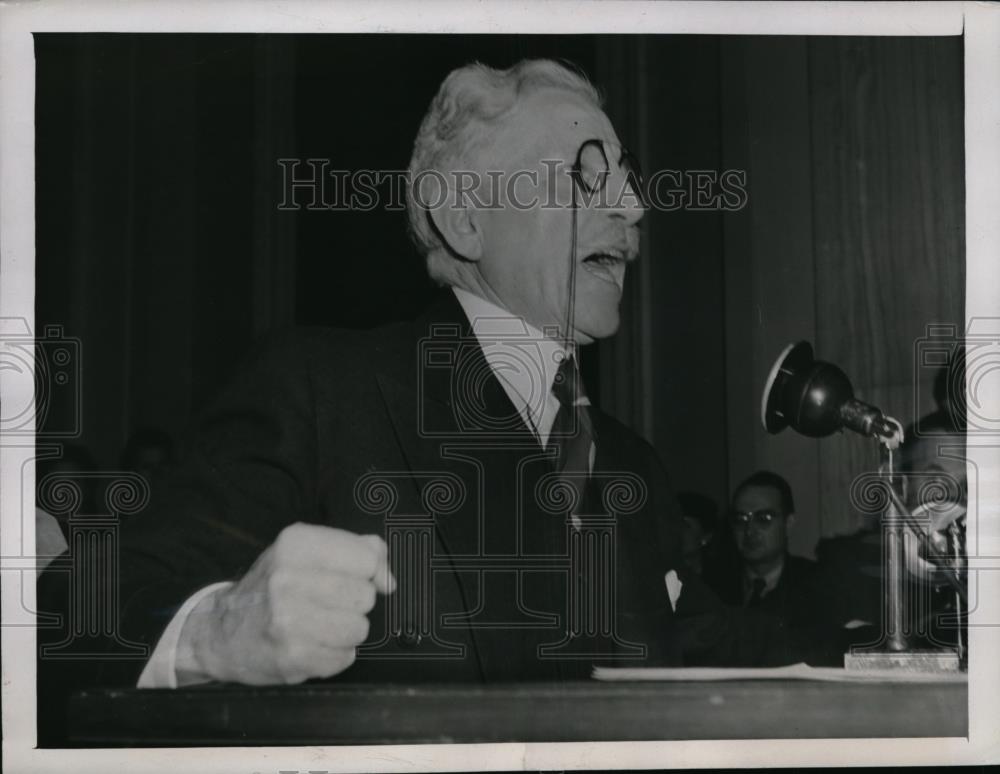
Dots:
{"x": 440, "y": 391}
{"x": 449, "y": 410}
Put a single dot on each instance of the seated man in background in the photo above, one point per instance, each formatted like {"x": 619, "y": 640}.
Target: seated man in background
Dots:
{"x": 700, "y": 515}
{"x": 767, "y": 577}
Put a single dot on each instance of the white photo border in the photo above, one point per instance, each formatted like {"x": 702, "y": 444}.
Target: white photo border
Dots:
{"x": 980, "y": 25}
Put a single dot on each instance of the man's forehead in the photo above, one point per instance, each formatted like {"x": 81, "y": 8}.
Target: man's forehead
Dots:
{"x": 553, "y": 123}
{"x": 758, "y": 493}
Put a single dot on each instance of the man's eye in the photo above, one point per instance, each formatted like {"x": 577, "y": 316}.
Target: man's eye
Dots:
{"x": 592, "y": 166}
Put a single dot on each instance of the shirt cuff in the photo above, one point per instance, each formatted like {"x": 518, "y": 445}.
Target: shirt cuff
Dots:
{"x": 161, "y": 671}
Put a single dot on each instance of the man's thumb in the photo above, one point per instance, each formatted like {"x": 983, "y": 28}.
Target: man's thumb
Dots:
{"x": 383, "y": 578}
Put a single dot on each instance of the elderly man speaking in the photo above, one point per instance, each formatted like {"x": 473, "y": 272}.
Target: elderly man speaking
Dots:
{"x": 436, "y": 500}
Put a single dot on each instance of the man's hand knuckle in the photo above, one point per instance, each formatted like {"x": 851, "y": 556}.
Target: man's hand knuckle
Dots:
{"x": 285, "y": 663}
{"x": 360, "y": 628}
{"x": 344, "y": 658}
{"x": 339, "y": 660}
{"x": 290, "y": 538}
{"x": 278, "y": 583}
{"x": 367, "y": 564}
{"x": 295, "y": 664}
{"x": 368, "y": 597}
{"x": 280, "y": 629}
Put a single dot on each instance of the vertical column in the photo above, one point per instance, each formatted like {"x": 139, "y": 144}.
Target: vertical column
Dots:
{"x": 897, "y": 626}
{"x": 92, "y": 631}
{"x": 592, "y": 598}
{"x": 409, "y": 613}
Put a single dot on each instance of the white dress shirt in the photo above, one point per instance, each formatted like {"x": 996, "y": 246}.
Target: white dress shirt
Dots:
{"x": 523, "y": 358}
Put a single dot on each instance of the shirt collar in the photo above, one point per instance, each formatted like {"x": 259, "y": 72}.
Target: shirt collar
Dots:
{"x": 522, "y": 356}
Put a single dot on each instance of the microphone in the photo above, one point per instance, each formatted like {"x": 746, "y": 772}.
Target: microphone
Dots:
{"x": 816, "y": 399}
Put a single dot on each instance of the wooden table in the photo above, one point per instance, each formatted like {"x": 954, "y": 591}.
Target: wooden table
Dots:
{"x": 521, "y": 712}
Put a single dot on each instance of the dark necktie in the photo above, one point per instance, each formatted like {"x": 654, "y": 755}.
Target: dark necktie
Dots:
{"x": 574, "y": 435}
{"x": 757, "y": 592}
{"x": 572, "y": 430}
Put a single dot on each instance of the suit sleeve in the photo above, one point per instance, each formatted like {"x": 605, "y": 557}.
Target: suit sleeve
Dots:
{"x": 249, "y": 472}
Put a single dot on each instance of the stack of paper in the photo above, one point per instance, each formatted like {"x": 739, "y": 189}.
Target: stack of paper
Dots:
{"x": 792, "y": 672}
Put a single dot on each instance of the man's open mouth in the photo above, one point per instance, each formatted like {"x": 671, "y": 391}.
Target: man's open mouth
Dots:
{"x": 607, "y": 266}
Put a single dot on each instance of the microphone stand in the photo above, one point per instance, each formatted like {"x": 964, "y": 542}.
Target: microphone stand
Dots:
{"x": 816, "y": 399}
{"x": 895, "y": 650}
{"x": 897, "y": 511}
{"x": 896, "y": 639}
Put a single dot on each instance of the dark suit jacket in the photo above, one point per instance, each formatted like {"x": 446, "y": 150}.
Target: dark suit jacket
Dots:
{"x": 852, "y": 566}
{"x": 794, "y": 599}
{"x": 801, "y": 606}
{"x": 406, "y": 428}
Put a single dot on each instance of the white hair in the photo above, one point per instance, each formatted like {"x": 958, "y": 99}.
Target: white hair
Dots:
{"x": 464, "y": 116}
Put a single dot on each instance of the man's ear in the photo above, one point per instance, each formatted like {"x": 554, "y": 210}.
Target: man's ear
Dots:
{"x": 790, "y": 520}
{"x": 457, "y": 223}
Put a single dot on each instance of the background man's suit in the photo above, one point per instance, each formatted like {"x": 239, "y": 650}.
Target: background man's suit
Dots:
{"x": 793, "y": 599}
{"x": 800, "y": 605}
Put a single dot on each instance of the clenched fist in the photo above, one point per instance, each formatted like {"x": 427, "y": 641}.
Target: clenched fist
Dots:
{"x": 298, "y": 613}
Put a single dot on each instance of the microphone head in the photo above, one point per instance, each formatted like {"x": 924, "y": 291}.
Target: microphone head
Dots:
{"x": 804, "y": 393}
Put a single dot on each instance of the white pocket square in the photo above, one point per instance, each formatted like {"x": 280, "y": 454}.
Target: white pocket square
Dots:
{"x": 674, "y": 587}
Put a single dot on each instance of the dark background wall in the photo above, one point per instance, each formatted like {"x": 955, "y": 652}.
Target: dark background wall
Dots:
{"x": 854, "y": 239}
{"x": 161, "y": 246}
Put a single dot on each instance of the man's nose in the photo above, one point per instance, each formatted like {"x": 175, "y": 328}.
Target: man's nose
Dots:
{"x": 751, "y": 527}
{"x": 629, "y": 204}
{"x": 633, "y": 214}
